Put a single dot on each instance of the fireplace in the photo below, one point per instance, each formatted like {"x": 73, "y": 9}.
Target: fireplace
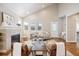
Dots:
{"x": 15, "y": 38}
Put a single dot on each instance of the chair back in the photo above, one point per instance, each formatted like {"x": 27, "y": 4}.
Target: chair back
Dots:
{"x": 60, "y": 49}
{"x": 17, "y": 49}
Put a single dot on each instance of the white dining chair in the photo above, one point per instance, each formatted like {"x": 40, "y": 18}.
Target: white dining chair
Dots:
{"x": 60, "y": 49}
{"x": 17, "y": 49}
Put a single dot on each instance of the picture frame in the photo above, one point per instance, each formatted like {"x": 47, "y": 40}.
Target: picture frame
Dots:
{"x": 32, "y": 28}
{"x": 39, "y": 27}
{"x": 7, "y": 19}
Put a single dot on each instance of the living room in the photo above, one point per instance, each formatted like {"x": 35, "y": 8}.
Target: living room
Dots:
{"x": 38, "y": 29}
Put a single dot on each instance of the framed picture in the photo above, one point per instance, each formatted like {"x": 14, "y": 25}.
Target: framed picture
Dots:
{"x": 7, "y": 19}
{"x": 39, "y": 27}
{"x": 33, "y": 27}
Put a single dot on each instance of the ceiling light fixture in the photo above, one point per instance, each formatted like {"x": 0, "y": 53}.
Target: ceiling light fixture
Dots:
{"x": 25, "y": 23}
{"x": 28, "y": 12}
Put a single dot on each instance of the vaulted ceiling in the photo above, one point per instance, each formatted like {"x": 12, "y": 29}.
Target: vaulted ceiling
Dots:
{"x": 24, "y": 9}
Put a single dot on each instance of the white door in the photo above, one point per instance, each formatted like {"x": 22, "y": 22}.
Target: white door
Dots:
{"x": 54, "y": 29}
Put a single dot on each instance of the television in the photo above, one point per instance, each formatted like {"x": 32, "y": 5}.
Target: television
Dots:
{"x": 15, "y": 38}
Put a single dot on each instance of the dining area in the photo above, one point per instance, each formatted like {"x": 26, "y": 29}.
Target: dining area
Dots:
{"x": 38, "y": 47}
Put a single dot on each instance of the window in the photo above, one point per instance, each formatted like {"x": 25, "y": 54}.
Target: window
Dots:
{"x": 26, "y": 25}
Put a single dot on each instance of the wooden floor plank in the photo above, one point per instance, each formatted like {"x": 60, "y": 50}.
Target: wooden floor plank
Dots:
{"x": 72, "y": 48}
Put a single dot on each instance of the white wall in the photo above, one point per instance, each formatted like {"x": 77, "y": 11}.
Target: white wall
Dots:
{"x": 67, "y": 8}
{"x": 62, "y": 27}
{"x": 9, "y": 12}
{"x": 44, "y": 16}
{"x": 71, "y": 29}
{"x": 6, "y": 10}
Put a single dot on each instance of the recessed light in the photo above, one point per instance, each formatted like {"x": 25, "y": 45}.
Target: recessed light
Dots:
{"x": 19, "y": 22}
{"x": 40, "y": 24}
{"x": 28, "y": 12}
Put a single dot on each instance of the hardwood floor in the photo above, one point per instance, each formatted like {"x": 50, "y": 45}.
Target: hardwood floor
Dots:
{"x": 72, "y": 48}
{"x": 5, "y": 52}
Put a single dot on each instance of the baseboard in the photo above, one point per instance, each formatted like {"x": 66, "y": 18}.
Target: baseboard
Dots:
{"x": 71, "y": 41}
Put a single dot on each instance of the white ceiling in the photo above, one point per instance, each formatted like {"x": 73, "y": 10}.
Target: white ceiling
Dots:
{"x": 24, "y": 9}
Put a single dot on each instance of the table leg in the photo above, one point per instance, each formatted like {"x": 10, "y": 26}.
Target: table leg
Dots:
{"x": 45, "y": 53}
{"x": 33, "y": 53}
